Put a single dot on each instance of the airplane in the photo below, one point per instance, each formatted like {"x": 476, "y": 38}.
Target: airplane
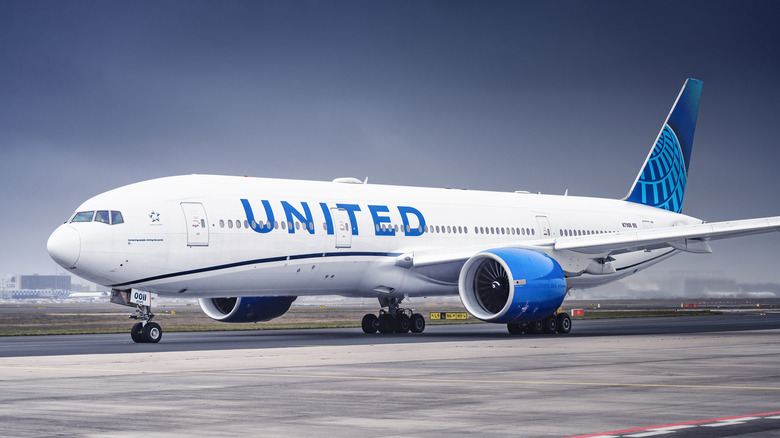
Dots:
{"x": 246, "y": 248}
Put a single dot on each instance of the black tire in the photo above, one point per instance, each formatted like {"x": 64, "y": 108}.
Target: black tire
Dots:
{"x": 402, "y": 323}
{"x": 370, "y": 323}
{"x": 534, "y": 327}
{"x": 564, "y": 323}
{"x": 550, "y": 325}
{"x": 152, "y": 332}
{"x": 386, "y": 323}
{"x": 417, "y": 323}
{"x": 514, "y": 328}
{"x": 135, "y": 333}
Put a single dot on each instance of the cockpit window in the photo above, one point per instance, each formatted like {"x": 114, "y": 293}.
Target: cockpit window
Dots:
{"x": 101, "y": 216}
{"x": 83, "y": 216}
{"x": 116, "y": 217}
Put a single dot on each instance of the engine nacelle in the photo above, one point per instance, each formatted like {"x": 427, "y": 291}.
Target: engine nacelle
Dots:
{"x": 245, "y": 309}
{"x": 506, "y": 285}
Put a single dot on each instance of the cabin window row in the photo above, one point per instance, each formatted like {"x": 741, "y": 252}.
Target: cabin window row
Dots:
{"x": 268, "y": 225}
{"x": 571, "y": 233}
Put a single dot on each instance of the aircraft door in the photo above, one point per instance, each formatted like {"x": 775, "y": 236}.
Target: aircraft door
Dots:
{"x": 197, "y": 225}
{"x": 343, "y": 228}
{"x": 544, "y": 226}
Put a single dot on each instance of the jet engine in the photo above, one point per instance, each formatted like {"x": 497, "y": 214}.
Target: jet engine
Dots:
{"x": 511, "y": 285}
{"x": 245, "y": 309}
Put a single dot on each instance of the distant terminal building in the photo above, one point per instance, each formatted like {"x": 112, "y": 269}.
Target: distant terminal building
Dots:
{"x": 37, "y": 287}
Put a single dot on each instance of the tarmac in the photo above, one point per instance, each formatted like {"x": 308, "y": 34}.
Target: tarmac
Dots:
{"x": 679, "y": 376}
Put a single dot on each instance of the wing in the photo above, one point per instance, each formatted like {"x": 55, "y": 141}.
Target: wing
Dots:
{"x": 691, "y": 238}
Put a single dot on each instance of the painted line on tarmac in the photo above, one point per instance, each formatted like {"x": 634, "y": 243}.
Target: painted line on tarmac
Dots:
{"x": 665, "y": 429}
{"x": 392, "y": 379}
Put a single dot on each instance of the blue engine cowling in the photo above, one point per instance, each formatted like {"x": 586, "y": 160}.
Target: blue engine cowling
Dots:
{"x": 245, "y": 309}
{"x": 506, "y": 285}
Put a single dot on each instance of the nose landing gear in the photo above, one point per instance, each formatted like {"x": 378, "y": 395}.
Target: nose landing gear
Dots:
{"x": 145, "y": 331}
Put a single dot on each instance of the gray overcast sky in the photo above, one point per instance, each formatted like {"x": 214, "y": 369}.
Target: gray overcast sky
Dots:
{"x": 534, "y": 95}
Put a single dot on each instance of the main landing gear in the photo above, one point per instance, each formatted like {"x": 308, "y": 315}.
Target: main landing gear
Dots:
{"x": 394, "y": 319}
{"x": 560, "y": 323}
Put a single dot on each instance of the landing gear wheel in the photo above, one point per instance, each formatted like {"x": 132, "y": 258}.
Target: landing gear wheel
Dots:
{"x": 135, "y": 333}
{"x": 564, "y": 323}
{"x": 386, "y": 323}
{"x": 417, "y": 323}
{"x": 152, "y": 332}
{"x": 370, "y": 323}
{"x": 550, "y": 324}
{"x": 402, "y": 323}
{"x": 515, "y": 328}
{"x": 534, "y": 327}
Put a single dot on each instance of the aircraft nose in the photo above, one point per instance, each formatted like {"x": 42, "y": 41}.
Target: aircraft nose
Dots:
{"x": 64, "y": 246}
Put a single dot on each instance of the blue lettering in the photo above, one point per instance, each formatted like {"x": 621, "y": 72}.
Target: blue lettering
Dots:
{"x": 328, "y": 217}
{"x": 250, "y": 217}
{"x": 307, "y": 220}
{"x": 408, "y": 228}
{"x": 351, "y": 209}
{"x": 379, "y": 220}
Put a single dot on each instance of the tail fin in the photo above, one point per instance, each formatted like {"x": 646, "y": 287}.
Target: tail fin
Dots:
{"x": 661, "y": 182}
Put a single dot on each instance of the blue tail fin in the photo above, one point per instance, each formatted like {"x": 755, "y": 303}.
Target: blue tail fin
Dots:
{"x": 661, "y": 182}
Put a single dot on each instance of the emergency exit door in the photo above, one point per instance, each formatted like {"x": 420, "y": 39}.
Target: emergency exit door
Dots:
{"x": 544, "y": 226}
{"x": 196, "y": 223}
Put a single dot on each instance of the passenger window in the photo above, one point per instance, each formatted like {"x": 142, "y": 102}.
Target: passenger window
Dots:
{"x": 83, "y": 216}
{"x": 238, "y": 224}
{"x": 221, "y": 223}
{"x": 230, "y": 223}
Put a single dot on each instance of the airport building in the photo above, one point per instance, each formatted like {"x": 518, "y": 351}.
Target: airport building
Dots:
{"x": 36, "y": 287}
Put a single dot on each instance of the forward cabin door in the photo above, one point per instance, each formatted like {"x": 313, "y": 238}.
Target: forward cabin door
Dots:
{"x": 197, "y": 225}
{"x": 343, "y": 228}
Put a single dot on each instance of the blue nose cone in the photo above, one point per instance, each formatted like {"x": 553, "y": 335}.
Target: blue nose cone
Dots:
{"x": 64, "y": 246}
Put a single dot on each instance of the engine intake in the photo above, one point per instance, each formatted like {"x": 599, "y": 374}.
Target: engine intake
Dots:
{"x": 245, "y": 309}
{"x": 507, "y": 285}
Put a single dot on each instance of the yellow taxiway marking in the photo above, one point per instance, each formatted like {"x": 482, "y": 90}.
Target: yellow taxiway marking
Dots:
{"x": 392, "y": 379}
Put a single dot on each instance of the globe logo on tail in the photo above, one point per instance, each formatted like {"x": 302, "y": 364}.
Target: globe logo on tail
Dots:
{"x": 662, "y": 182}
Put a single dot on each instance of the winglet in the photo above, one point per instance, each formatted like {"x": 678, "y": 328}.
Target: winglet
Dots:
{"x": 661, "y": 182}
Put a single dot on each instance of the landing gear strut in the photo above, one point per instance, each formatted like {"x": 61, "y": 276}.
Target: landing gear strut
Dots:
{"x": 560, "y": 323}
{"x": 394, "y": 319}
{"x": 145, "y": 331}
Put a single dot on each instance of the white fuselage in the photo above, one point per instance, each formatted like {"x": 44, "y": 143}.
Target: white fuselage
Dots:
{"x": 210, "y": 236}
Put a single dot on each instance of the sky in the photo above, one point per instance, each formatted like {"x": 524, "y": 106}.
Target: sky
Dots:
{"x": 542, "y": 96}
